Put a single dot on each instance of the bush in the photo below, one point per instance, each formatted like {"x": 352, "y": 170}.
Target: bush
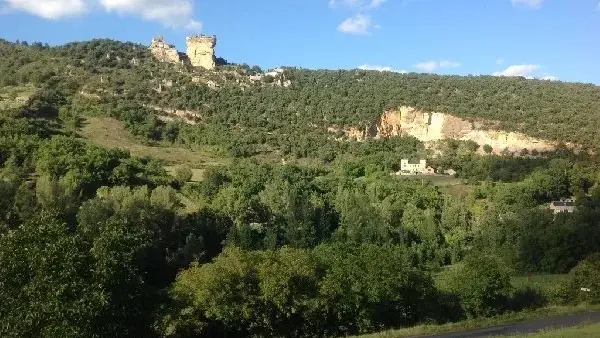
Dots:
{"x": 527, "y": 298}
{"x": 488, "y": 149}
{"x": 183, "y": 174}
{"x": 585, "y": 276}
{"x": 482, "y": 283}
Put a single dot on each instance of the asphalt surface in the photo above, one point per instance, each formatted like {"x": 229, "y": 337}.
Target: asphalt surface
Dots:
{"x": 528, "y": 326}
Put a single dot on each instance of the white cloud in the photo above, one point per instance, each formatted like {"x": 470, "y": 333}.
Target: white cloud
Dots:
{"x": 361, "y": 22}
{"x": 357, "y": 25}
{"x": 376, "y": 3}
{"x": 430, "y": 66}
{"x": 48, "y": 9}
{"x": 499, "y": 61}
{"x": 381, "y": 68}
{"x": 519, "y": 70}
{"x": 535, "y": 4}
{"x": 171, "y": 13}
{"x": 549, "y": 77}
{"x": 356, "y": 3}
{"x": 194, "y": 25}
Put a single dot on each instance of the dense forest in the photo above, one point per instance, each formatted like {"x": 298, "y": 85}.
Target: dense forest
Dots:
{"x": 95, "y": 242}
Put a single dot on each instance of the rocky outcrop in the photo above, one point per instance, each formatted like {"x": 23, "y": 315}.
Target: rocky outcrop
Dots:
{"x": 201, "y": 51}
{"x": 429, "y": 127}
{"x": 187, "y": 116}
{"x": 163, "y": 51}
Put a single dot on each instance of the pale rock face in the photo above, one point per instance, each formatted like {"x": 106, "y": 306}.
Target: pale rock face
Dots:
{"x": 201, "y": 51}
{"x": 429, "y": 127}
{"x": 163, "y": 51}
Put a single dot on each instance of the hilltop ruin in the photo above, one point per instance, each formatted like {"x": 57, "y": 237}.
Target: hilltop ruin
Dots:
{"x": 163, "y": 51}
{"x": 200, "y": 51}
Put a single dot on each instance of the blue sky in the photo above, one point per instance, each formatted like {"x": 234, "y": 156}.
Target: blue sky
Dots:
{"x": 535, "y": 38}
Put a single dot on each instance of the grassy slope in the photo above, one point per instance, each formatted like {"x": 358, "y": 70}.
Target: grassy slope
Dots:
{"x": 583, "y": 331}
{"x": 540, "y": 282}
{"x": 423, "y": 330}
{"x": 111, "y": 133}
{"x": 14, "y": 97}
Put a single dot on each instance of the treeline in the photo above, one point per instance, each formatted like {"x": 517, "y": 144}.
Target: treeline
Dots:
{"x": 294, "y": 120}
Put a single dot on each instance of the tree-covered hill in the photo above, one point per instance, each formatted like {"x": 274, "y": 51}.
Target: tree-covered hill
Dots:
{"x": 126, "y": 73}
{"x": 95, "y": 242}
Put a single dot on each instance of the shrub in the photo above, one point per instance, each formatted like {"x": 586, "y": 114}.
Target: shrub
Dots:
{"x": 482, "y": 283}
{"x": 527, "y": 298}
{"x": 183, "y": 174}
{"x": 488, "y": 149}
{"x": 583, "y": 282}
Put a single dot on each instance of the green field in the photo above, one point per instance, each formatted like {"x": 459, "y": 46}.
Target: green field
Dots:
{"x": 110, "y": 133}
{"x": 582, "y": 331}
{"x": 540, "y": 282}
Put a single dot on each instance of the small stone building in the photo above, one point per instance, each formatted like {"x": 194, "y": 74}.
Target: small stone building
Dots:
{"x": 564, "y": 205}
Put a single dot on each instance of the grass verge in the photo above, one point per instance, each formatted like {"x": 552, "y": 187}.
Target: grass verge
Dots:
{"x": 581, "y": 331}
{"x": 480, "y": 323}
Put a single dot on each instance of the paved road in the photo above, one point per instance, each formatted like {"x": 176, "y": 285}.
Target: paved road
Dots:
{"x": 528, "y": 326}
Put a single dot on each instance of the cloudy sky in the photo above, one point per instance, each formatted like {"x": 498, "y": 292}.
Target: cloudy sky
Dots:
{"x": 545, "y": 39}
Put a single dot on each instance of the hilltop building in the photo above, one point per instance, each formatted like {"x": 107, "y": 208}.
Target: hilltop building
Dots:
{"x": 201, "y": 50}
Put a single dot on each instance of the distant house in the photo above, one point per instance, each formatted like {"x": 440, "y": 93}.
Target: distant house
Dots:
{"x": 421, "y": 168}
{"x": 564, "y": 205}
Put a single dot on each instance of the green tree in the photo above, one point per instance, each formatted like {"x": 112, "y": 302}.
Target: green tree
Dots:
{"x": 582, "y": 283}
{"x": 482, "y": 283}
{"x": 370, "y": 287}
{"x": 488, "y": 148}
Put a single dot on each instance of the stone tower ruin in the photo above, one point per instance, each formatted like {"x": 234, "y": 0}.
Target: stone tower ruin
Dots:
{"x": 164, "y": 51}
{"x": 201, "y": 50}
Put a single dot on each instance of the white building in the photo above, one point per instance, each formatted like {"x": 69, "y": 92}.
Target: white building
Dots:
{"x": 564, "y": 205}
{"x": 421, "y": 168}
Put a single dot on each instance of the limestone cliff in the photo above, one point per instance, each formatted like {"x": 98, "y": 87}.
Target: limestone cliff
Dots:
{"x": 201, "y": 51}
{"x": 163, "y": 51}
{"x": 429, "y": 127}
